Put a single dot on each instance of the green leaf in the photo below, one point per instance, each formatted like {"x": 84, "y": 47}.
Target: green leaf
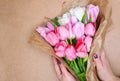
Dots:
{"x": 71, "y": 64}
{"x": 73, "y": 67}
{"x": 67, "y": 61}
{"x": 74, "y": 41}
{"x": 82, "y": 76}
{"x": 55, "y": 22}
{"x": 84, "y": 18}
{"x": 90, "y": 20}
{"x": 85, "y": 59}
{"x": 76, "y": 66}
{"x": 79, "y": 64}
{"x": 68, "y": 40}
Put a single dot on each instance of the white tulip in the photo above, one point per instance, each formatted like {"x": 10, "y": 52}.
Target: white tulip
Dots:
{"x": 64, "y": 19}
{"x": 78, "y": 12}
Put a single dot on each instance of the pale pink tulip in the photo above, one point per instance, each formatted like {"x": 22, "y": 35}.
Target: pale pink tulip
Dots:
{"x": 60, "y": 48}
{"x": 92, "y": 11}
{"x": 52, "y": 38}
{"x": 90, "y": 29}
{"x": 70, "y": 31}
{"x": 73, "y": 20}
{"x": 78, "y": 30}
{"x": 62, "y": 33}
{"x": 88, "y": 42}
{"x": 70, "y": 52}
{"x": 50, "y": 26}
{"x": 42, "y": 31}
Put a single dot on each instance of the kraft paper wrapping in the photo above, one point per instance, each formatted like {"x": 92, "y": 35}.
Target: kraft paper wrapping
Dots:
{"x": 104, "y": 20}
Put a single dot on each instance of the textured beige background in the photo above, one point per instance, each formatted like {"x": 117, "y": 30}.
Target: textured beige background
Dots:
{"x": 19, "y": 61}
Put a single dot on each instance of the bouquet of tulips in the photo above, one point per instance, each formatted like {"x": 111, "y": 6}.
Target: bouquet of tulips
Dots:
{"x": 71, "y": 36}
{"x": 75, "y": 36}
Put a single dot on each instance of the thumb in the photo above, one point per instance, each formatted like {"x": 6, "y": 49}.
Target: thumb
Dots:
{"x": 98, "y": 63}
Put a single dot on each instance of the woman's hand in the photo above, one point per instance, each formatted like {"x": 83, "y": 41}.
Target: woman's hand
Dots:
{"x": 103, "y": 68}
{"x": 62, "y": 72}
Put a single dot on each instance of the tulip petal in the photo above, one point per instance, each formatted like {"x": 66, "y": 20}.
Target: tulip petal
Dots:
{"x": 70, "y": 31}
{"x": 88, "y": 42}
{"x": 52, "y": 38}
{"x": 92, "y": 12}
{"x": 70, "y": 53}
{"x": 50, "y": 26}
{"x": 78, "y": 30}
{"x": 90, "y": 29}
{"x": 81, "y": 54}
{"x": 73, "y": 20}
{"x": 64, "y": 19}
{"x": 60, "y": 54}
{"x": 62, "y": 33}
{"x": 42, "y": 31}
{"x": 78, "y": 12}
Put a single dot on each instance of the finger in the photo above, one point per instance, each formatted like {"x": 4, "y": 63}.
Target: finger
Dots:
{"x": 57, "y": 67}
{"x": 98, "y": 63}
{"x": 105, "y": 61}
{"x": 103, "y": 58}
{"x": 64, "y": 69}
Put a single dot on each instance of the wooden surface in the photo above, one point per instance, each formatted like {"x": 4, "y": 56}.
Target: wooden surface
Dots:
{"x": 19, "y": 61}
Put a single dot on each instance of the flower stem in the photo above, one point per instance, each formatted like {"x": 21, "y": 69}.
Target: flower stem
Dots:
{"x": 76, "y": 66}
{"x": 70, "y": 41}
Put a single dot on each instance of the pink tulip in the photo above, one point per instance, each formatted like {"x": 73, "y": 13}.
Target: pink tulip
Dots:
{"x": 73, "y": 20}
{"x": 70, "y": 31}
{"x": 90, "y": 29}
{"x": 62, "y": 33}
{"x": 60, "y": 48}
{"x": 82, "y": 51}
{"x": 52, "y": 38}
{"x": 92, "y": 11}
{"x": 70, "y": 52}
{"x": 50, "y": 26}
{"x": 42, "y": 31}
{"x": 81, "y": 54}
{"x": 78, "y": 30}
{"x": 81, "y": 48}
{"x": 88, "y": 42}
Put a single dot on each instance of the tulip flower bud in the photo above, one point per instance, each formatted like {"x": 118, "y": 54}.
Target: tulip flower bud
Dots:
{"x": 52, "y": 38}
{"x": 90, "y": 29}
{"x": 70, "y": 52}
{"x": 60, "y": 48}
{"x": 62, "y": 33}
{"x": 88, "y": 42}
{"x": 78, "y": 30}
{"x": 92, "y": 12}
{"x": 50, "y": 26}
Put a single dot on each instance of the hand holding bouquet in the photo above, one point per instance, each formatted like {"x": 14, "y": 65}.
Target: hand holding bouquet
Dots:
{"x": 73, "y": 38}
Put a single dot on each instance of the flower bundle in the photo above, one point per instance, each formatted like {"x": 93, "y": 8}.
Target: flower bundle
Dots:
{"x": 71, "y": 36}
{"x": 76, "y": 36}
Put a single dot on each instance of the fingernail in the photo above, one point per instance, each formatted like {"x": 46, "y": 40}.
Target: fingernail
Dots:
{"x": 95, "y": 56}
{"x": 58, "y": 62}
